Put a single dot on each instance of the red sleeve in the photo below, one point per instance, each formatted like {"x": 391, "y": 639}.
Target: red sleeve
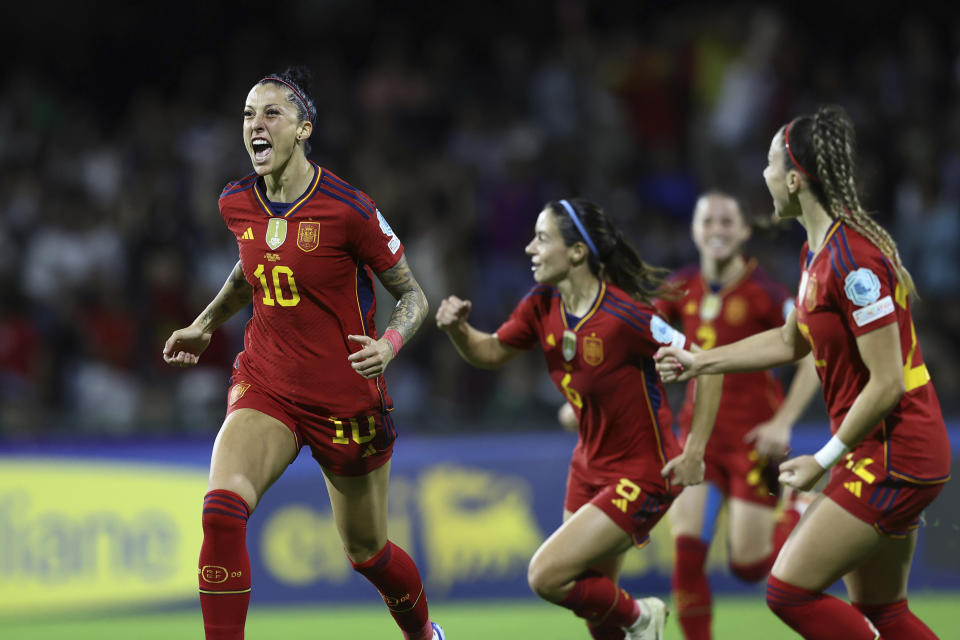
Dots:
{"x": 521, "y": 330}
{"x": 865, "y": 295}
{"x": 374, "y": 241}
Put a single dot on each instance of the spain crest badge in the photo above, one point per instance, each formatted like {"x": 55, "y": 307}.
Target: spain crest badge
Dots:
{"x": 308, "y": 235}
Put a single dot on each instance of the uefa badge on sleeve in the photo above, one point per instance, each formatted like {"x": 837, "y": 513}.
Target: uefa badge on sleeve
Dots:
{"x": 862, "y": 286}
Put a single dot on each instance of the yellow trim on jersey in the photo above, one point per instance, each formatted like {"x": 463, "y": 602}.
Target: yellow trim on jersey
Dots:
{"x": 296, "y": 205}
{"x": 916, "y": 481}
{"x": 832, "y": 230}
{"x": 223, "y": 593}
{"x": 589, "y": 314}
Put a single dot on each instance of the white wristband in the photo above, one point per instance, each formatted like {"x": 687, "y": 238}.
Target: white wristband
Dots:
{"x": 831, "y": 452}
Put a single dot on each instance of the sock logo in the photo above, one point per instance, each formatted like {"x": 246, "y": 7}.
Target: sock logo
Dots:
{"x": 213, "y": 574}
{"x": 395, "y": 602}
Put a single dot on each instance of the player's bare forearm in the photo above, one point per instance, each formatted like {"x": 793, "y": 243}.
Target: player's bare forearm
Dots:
{"x": 803, "y": 387}
{"x": 706, "y": 402}
{"x": 412, "y": 306}
{"x": 760, "y": 351}
{"x": 235, "y": 294}
{"x": 480, "y": 349}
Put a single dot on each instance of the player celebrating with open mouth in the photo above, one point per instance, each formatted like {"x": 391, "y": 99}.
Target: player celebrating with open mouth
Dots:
{"x": 889, "y": 454}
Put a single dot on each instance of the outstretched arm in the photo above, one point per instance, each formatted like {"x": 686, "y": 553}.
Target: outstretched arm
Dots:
{"x": 372, "y": 360}
{"x": 479, "y": 348}
{"x": 760, "y": 351}
{"x": 184, "y": 346}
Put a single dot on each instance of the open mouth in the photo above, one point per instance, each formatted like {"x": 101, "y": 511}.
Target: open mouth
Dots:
{"x": 261, "y": 149}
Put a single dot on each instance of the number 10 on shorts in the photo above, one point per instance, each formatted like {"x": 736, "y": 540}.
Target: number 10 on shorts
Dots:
{"x": 341, "y": 438}
{"x": 628, "y": 492}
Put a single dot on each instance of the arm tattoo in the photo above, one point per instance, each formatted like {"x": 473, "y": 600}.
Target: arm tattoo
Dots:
{"x": 411, "y": 306}
{"x": 235, "y": 294}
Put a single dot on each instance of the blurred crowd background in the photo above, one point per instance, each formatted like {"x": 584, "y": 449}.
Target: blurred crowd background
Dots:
{"x": 119, "y": 126}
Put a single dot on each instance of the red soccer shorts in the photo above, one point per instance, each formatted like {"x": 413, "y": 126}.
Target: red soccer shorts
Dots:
{"x": 891, "y": 505}
{"x": 352, "y": 446}
{"x": 633, "y": 503}
{"x": 743, "y": 473}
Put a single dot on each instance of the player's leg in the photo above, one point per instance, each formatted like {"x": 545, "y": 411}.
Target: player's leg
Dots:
{"x": 360, "y": 511}
{"x": 878, "y": 589}
{"x": 251, "y": 451}
{"x": 609, "y": 567}
{"x": 563, "y": 570}
{"x": 828, "y": 543}
{"x": 751, "y": 549}
{"x": 693, "y": 517}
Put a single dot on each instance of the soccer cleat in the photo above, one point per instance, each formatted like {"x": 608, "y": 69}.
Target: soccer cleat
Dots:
{"x": 438, "y": 633}
{"x": 657, "y": 620}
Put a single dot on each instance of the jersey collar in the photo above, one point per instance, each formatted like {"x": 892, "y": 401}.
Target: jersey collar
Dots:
{"x": 261, "y": 196}
{"x": 593, "y": 309}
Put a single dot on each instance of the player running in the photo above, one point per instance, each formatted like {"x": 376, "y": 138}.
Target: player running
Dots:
{"x": 311, "y": 372}
{"x": 889, "y": 454}
{"x": 591, "y": 314}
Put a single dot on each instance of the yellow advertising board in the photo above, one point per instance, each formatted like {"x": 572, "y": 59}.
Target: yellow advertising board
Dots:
{"x": 85, "y": 535}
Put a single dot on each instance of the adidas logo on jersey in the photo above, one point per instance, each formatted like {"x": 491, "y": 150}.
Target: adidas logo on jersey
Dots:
{"x": 620, "y": 503}
{"x": 853, "y": 487}
{"x": 248, "y": 234}
{"x": 369, "y": 451}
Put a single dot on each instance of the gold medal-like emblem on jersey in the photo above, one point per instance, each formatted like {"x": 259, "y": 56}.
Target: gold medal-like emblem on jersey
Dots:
{"x": 308, "y": 235}
{"x": 710, "y": 306}
{"x": 592, "y": 350}
{"x": 810, "y": 296}
{"x": 569, "y": 345}
{"x": 276, "y": 232}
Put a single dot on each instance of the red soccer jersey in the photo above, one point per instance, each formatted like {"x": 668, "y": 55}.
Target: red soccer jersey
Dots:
{"x": 311, "y": 264}
{"x": 603, "y": 364}
{"x": 848, "y": 288}
{"x": 754, "y": 303}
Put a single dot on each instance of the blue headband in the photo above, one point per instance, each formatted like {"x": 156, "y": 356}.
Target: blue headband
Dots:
{"x": 580, "y": 227}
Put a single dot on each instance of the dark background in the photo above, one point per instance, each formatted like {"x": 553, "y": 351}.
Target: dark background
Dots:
{"x": 120, "y": 123}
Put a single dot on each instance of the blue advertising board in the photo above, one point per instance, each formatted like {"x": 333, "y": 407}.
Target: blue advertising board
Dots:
{"x": 116, "y": 526}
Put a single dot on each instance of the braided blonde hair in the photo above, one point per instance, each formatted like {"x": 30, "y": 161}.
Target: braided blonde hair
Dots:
{"x": 832, "y": 145}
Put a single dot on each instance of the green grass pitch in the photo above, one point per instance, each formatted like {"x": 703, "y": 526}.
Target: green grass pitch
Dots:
{"x": 736, "y": 618}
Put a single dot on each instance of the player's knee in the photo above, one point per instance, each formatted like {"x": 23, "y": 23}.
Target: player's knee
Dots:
{"x": 238, "y": 484}
{"x": 752, "y": 572}
{"x": 361, "y": 549}
{"x": 540, "y": 580}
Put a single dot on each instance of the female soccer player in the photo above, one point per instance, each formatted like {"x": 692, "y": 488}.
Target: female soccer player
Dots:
{"x": 311, "y": 371}
{"x": 592, "y": 316}
{"x": 726, "y": 298}
{"x": 889, "y": 438}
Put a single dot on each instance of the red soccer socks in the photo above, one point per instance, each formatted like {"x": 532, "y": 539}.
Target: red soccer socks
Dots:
{"x": 224, "y": 565}
{"x": 596, "y": 598}
{"x": 395, "y": 576}
{"x": 895, "y": 621}
{"x": 817, "y": 616}
{"x": 691, "y": 590}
